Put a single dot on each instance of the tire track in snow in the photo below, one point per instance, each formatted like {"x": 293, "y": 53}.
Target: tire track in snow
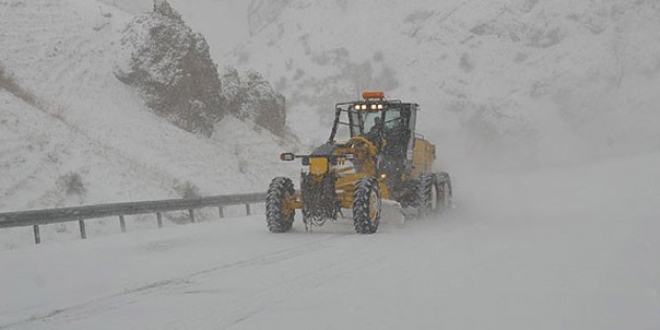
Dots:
{"x": 177, "y": 285}
{"x": 278, "y": 291}
{"x": 350, "y": 256}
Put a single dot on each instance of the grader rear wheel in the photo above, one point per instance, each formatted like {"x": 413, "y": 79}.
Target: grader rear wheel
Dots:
{"x": 279, "y": 215}
{"x": 427, "y": 194}
{"x": 444, "y": 192}
{"x": 366, "y": 206}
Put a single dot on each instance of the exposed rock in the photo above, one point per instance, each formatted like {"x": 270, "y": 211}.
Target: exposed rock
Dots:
{"x": 171, "y": 67}
{"x": 252, "y": 98}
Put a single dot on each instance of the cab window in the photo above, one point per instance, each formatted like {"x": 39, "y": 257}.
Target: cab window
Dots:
{"x": 370, "y": 120}
{"x": 393, "y": 118}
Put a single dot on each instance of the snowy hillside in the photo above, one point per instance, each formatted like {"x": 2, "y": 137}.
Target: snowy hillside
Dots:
{"x": 507, "y": 81}
{"x": 86, "y": 122}
{"x": 536, "y": 82}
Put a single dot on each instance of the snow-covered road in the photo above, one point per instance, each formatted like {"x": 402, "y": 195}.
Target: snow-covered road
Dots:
{"x": 563, "y": 248}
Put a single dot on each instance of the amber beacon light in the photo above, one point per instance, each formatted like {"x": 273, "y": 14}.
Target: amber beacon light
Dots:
{"x": 373, "y": 95}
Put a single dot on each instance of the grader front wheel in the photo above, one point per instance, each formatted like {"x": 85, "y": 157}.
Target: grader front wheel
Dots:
{"x": 279, "y": 214}
{"x": 366, "y": 206}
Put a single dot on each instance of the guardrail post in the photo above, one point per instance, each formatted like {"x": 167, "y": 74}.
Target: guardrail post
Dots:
{"x": 83, "y": 233}
{"x": 37, "y": 235}
{"x": 221, "y": 211}
{"x": 247, "y": 208}
{"x": 192, "y": 215}
{"x": 122, "y": 223}
{"x": 159, "y": 218}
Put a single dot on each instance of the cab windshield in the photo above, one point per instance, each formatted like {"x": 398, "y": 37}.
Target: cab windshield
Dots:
{"x": 350, "y": 122}
{"x": 369, "y": 119}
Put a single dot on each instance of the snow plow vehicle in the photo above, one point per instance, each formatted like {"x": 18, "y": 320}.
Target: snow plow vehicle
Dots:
{"x": 380, "y": 157}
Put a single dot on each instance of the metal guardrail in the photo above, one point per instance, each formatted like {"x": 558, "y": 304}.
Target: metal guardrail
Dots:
{"x": 82, "y": 213}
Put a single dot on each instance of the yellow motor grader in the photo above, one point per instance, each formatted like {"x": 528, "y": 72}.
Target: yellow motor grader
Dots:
{"x": 380, "y": 156}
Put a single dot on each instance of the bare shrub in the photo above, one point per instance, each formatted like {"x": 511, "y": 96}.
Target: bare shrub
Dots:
{"x": 243, "y": 166}
{"x": 466, "y": 63}
{"x": 72, "y": 184}
{"x": 187, "y": 190}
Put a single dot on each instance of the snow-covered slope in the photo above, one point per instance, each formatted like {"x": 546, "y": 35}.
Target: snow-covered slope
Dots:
{"x": 533, "y": 81}
{"x": 536, "y": 81}
{"x": 85, "y": 121}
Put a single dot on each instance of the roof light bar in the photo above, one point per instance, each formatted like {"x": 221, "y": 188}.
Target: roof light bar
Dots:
{"x": 373, "y": 95}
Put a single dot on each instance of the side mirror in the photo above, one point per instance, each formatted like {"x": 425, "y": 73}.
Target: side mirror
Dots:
{"x": 287, "y": 157}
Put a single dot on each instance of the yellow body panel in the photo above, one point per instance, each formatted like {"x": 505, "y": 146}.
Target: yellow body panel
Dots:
{"x": 384, "y": 192}
{"x": 318, "y": 165}
{"x": 423, "y": 157}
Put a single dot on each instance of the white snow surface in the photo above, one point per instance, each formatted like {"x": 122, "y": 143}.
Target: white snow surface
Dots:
{"x": 570, "y": 247}
{"x": 562, "y": 234}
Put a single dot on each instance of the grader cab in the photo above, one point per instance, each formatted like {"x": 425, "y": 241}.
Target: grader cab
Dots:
{"x": 379, "y": 156}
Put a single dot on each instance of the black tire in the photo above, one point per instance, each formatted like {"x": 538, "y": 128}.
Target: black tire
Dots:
{"x": 427, "y": 194}
{"x": 366, "y": 206}
{"x": 444, "y": 192}
{"x": 279, "y": 219}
